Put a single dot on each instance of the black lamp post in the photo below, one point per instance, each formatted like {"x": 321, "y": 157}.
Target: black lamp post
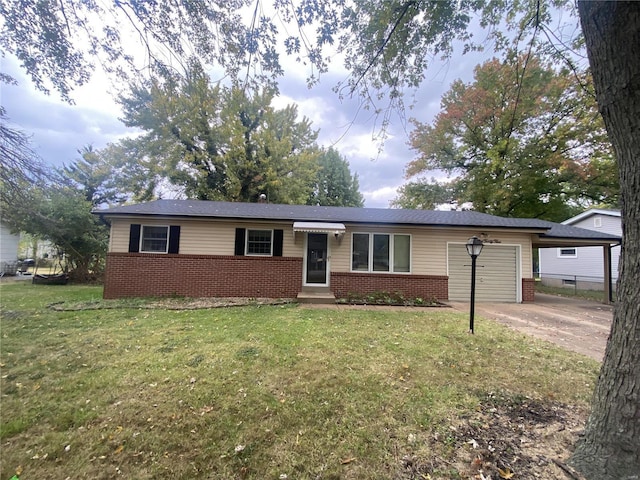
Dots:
{"x": 474, "y": 247}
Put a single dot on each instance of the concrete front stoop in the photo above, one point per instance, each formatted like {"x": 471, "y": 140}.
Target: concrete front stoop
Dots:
{"x": 316, "y": 295}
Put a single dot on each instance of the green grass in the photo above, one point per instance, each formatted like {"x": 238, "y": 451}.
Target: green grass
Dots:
{"x": 249, "y": 392}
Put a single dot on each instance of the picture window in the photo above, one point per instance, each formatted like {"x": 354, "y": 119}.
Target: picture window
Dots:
{"x": 381, "y": 252}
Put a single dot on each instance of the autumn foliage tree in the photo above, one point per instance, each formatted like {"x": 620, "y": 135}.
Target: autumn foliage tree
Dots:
{"x": 524, "y": 139}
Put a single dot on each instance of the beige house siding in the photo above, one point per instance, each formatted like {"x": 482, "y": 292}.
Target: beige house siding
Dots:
{"x": 341, "y": 251}
{"x": 428, "y": 244}
{"x": 429, "y": 247}
{"x": 201, "y": 237}
{"x": 501, "y": 238}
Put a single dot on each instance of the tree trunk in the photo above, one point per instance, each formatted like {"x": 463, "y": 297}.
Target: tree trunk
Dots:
{"x": 610, "y": 447}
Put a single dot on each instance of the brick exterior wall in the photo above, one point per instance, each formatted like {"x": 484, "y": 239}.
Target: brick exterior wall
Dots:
{"x": 426, "y": 287}
{"x": 149, "y": 275}
{"x": 528, "y": 290}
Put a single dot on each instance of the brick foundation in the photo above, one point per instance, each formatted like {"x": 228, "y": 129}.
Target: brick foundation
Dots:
{"x": 528, "y": 290}
{"x": 148, "y": 275}
{"x": 412, "y": 286}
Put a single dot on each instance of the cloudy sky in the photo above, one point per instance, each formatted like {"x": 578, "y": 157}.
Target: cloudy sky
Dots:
{"x": 58, "y": 130}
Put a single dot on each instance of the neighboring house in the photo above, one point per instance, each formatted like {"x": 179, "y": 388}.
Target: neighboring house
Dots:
{"x": 221, "y": 249}
{"x": 33, "y": 247}
{"x": 583, "y": 266}
{"x": 8, "y": 250}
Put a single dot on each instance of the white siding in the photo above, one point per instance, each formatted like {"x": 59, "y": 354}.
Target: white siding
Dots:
{"x": 8, "y": 245}
{"x": 588, "y": 264}
{"x": 608, "y": 224}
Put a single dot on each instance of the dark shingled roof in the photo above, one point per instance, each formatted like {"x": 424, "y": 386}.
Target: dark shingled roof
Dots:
{"x": 269, "y": 211}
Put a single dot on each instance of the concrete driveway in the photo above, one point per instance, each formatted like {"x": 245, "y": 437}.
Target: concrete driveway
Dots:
{"x": 575, "y": 324}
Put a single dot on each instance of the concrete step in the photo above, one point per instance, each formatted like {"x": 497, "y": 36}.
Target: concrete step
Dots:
{"x": 316, "y": 295}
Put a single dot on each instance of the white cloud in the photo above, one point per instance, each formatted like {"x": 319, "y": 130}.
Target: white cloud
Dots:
{"x": 314, "y": 108}
{"x": 380, "y": 197}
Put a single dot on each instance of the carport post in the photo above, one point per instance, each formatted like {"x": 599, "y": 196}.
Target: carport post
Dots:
{"x": 474, "y": 247}
{"x": 608, "y": 282}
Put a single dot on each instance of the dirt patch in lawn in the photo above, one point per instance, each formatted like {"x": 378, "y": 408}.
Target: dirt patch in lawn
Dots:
{"x": 511, "y": 439}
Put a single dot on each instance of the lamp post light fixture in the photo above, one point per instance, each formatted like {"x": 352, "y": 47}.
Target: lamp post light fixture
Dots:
{"x": 474, "y": 247}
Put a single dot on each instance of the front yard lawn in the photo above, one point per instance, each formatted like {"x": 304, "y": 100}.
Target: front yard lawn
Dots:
{"x": 276, "y": 392}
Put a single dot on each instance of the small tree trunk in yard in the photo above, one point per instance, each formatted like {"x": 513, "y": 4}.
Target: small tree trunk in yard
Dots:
{"x": 610, "y": 447}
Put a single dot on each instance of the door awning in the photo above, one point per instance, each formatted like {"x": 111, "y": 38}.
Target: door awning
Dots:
{"x": 319, "y": 227}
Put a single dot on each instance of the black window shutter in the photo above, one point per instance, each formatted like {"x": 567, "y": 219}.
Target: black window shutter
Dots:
{"x": 277, "y": 243}
{"x": 134, "y": 238}
{"x": 174, "y": 238}
{"x": 240, "y": 236}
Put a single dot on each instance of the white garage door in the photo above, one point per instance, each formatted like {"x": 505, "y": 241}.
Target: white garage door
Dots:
{"x": 496, "y": 274}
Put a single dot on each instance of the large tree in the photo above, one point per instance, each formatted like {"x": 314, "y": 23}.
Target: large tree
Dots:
{"x": 424, "y": 195}
{"x": 220, "y": 143}
{"x": 334, "y": 184}
{"x": 610, "y": 447}
{"x": 136, "y": 175}
{"x": 524, "y": 139}
{"x": 95, "y": 176}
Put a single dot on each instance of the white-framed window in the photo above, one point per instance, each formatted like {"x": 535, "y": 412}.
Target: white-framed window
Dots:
{"x": 381, "y": 252}
{"x": 597, "y": 222}
{"x": 259, "y": 242}
{"x": 402, "y": 253}
{"x": 154, "y": 239}
{"x": 567, "y": 252}
{"x": 360, "y": 252}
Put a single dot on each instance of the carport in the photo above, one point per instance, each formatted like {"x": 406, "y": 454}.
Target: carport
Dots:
{"x": 561, "y": 236}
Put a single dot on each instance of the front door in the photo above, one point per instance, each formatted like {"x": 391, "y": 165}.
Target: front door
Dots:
{"x": 316, "y": 269}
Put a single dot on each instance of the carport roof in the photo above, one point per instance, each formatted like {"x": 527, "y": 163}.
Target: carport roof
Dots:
{"x": 560, "y": 235}
{"x": 546, "y": 231}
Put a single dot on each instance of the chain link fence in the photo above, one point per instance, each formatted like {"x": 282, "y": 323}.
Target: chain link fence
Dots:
{"x": 573, "y": 283}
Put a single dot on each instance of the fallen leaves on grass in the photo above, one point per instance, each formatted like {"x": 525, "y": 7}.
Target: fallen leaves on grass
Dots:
{"x": 506, "y": 439}
{"x": 167, "y": 303}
